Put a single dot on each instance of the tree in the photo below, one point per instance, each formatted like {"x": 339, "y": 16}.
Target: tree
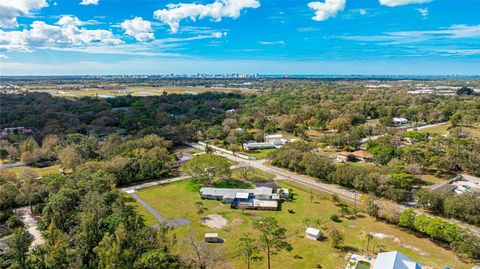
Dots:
{"x": 372, "y": 207}
{"x": 248, "y": 249}
{"x": 368, "y": 237}
{"x": 31, "y": 188}
{"x": 407, "y": 218}
{"x": 19, "y": 244}
{"x": 200, "y": 208}
{"x": 70, "y": 157}
{"x": 344, "y": 210}
{"x": 246, "y": 171}
{"x": 207, "y": 167}
{"x": 157, "y": 259}
{"x": 203, "y": 255}
{"x": 336, "y": 237}
{"x": 273, "y": 236}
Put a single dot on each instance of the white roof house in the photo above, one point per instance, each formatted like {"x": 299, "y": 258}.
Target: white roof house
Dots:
{"x": 276, "y": 139}
{"x": 395, "y": 260}
{"x": 312, "y": 233}
{"x": 399, "y": 121}
{"x": 242, "y": 195}
{"x": 258, "y": 145}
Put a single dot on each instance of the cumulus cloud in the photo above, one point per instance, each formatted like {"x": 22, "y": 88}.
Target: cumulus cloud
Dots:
{"x": 362, "y": 11}
{"x": 423, "y": 11}
{"x": 89, "y": 2}
{"x": 11, "y": 9}
{"x": 327, "y": 9}
{"x": 217, "y": 10}
{"x": 65, "y": 33}
{"x": 396, "y": 3}
{"x": 138, "y": 28}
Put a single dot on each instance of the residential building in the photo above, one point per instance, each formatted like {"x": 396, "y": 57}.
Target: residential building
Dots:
{"x": 464, "y": 182}
{"x": 395, "y": 260}
{"x": 442, "y": 188}
{"x": 359, "y": 155}
{"x": 258, "y": 145}
{"x": 260, "y": 198}
{"x": 276, "y": 139}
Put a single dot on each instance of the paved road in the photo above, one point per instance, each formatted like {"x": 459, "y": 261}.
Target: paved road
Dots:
{"x": 133, "y": 188}
{"x": 309, "y": 182}
{"x": 173, "y": 223}
{"x": 12, "y": 165}
{"x": 285, "y": 174}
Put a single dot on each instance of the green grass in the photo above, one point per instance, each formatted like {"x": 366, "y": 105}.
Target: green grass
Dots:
{"x": 178, "y": 199}
{"x": 259, "y": 154}
{"x": 431, "y": 179}
{"x": 473, "y": 130}
{"x": 258, "y": 175}
{"x": 136, "y": 91}
{"x": 54, "y": 169}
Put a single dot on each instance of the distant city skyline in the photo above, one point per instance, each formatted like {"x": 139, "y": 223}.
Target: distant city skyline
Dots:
{"x": 287, "y": 37}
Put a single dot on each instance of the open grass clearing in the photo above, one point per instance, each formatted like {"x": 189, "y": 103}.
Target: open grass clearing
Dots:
{"x": 44, "y": 171}
{"x": 257, "y": 175}
{"x": 259, "y": 153}
{"x": 442, "y": 129}
{"x": 137, "y": 91}
{"x": 178, "y": 200}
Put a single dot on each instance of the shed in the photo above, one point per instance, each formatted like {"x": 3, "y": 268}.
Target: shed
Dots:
{"x": 212, "y": 238}
{"x": 313, "y": 234}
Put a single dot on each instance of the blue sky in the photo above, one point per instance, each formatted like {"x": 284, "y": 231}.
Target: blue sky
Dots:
{"x": 50, "y": 37}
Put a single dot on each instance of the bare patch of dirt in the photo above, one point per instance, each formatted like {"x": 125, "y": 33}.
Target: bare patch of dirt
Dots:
{"x": 214, "y": 221}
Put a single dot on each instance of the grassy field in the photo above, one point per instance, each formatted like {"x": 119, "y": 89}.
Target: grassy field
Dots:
{"x": 258, "y": 175}
{"x": 136, "y": 91}
{"x": 473, "y": 130}
{"x": 177, "y": 200}
{"x": 431, "y": 179}
{"x": 259, "y": 154}
{"x": 40, "y": 171}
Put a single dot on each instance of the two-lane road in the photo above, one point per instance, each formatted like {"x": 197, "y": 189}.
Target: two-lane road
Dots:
{"x": 285, "y": 174}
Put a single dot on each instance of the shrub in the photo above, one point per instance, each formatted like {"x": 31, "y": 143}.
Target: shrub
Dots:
{"x": 335, "y": 218}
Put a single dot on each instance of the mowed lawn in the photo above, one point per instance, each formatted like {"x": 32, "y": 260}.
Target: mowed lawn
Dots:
{"x": 44, "y": 171}
{"x": 259, "y": 153}
{"x": 178, "y": 200}
{"x": 473, "y": 130}
{"x": 257, "y": 175}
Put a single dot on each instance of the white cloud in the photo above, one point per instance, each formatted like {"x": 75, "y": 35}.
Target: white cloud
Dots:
{"x": 3, "y": 56}
{"x": 281, "y": 42}
{"x": 11, "y": 9}
{"x": 398, "y": 37}
{"x": 396, "y": 3}
{"x": 174, "y": 13}
{"x": 460, "y": 52}
{"x": 423, "y": 11}
{"x": 89, "y": 2}
{"x": 66, "y": 20}
{"x": 138, "y": 28}
{"x": 327, "y": 9}
{"x": 66, "y": 33}
{"x": 362, "y": 11}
